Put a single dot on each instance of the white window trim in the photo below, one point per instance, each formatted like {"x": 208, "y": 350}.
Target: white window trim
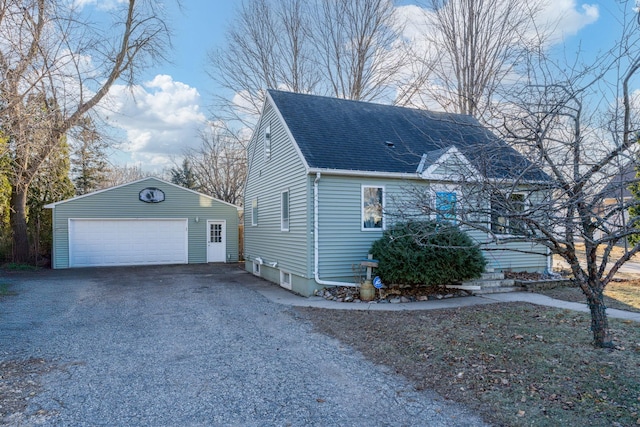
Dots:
{"x": 283, "y": 275}
{"x": 527, "y": 204}
{"x": 384, "y": 220}
{"x": 282, "y": 223}
{"x": 267, "y": 141}
{"x": 254, "y": 212}
{"x": 256, "y": 268}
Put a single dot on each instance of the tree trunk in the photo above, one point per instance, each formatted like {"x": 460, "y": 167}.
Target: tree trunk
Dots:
{"x": 18, "y": 218}
{"x": 599, "y": 321}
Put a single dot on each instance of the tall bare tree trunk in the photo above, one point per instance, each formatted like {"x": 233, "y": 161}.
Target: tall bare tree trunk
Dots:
{"x": 18, "y": 219}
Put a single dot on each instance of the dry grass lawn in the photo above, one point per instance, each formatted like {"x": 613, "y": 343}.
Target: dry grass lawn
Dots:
{"x": 622, "y": 294}
{"x": 516, "y": 364}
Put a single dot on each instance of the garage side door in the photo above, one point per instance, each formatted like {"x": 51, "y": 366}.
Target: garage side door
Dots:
{"x": 105, "y": 242}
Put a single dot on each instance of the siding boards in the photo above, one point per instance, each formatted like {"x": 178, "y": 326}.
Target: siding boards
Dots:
{"x": 342, "y": 243}
{"x": 266, "y": 180}
{"x": 123, "y": 202}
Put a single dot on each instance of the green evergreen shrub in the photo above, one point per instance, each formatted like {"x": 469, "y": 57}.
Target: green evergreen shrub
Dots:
{"x": 426, "y": 253}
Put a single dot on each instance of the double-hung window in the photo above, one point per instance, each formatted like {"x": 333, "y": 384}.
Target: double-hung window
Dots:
{"x": 284, "y": 211}
{"x": 372, "y": 208}
{"x": 506, "y": 213}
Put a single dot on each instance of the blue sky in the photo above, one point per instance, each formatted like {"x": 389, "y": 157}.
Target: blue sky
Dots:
{"x": 198, "y": 28}
{"x": 171, "y": 100}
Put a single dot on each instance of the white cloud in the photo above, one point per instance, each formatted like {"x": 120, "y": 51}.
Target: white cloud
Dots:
{"x": 160, "y": 118}
{"x": 99, "y": 4}
{"x": 567, "y": 17}
{"x": 560, "y": 18}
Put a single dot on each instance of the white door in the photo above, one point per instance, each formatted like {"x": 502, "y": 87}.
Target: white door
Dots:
{"x": 106, "y": 242}
{"x": 216, "y": 241}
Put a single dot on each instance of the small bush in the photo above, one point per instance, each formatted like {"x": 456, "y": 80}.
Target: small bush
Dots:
{"x": 426, "y": 253}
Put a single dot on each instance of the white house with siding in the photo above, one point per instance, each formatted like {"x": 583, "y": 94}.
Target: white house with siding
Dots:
{"x": 146, "y": 222}
{"x": 325, "y": 176}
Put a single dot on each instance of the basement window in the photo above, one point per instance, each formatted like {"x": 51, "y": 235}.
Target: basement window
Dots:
{"x": 285, "y": 279}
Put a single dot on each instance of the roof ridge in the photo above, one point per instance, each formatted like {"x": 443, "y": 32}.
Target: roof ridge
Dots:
{"x": 359, "y": 101}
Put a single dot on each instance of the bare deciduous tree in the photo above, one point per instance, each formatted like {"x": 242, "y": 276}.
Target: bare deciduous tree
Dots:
{"x": 345, "y": 48}
{"x": 55, "y": 66}
{"x": 118, "y": 175}
{"x": 473, "y": 46}
{"x": 558, "y": 121}
{"x": 358, "y": 47}
{"x": 219, "y": 165}
{"x": 268, "y": 46}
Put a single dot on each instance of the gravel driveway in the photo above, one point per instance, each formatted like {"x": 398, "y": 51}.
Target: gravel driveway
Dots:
{"x": 192, "y": 345}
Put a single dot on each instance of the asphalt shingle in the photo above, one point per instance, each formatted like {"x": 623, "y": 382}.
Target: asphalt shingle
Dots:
{"x": 350, "y": 135}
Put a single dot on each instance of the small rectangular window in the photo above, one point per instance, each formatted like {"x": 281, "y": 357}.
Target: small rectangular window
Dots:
{"x": 284, "y": 211}
{"x": 254, "y": 212}
{"x": 372, "y": 208}
{"x": 256, "y": 268}
{"x": 446, "y": 206}
{"x": 285, "y": 279}
{"x": 267, "y": 142}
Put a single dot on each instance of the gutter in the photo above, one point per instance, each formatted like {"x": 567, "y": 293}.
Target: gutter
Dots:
{"x": 316, "y": 238}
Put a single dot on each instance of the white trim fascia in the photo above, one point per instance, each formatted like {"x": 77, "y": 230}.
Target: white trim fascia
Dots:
{"x": 412, "y": 176}
{"x": 428, "y": 174}
{"x": 253, "y": 136}
{"x": 53, "y": 205}
{"x": 359, "y": 173}
{"x": 288, "y": 132}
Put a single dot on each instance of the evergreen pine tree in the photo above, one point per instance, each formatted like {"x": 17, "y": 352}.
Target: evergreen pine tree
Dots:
{"x": 184, "y": 176}
{"x": 89, "y": 165}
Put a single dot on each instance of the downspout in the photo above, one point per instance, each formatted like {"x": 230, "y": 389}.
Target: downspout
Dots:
{"x": 316, "y": 256}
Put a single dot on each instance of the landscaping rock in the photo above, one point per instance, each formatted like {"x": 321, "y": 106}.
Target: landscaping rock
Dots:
{"x": 394, "y": 295}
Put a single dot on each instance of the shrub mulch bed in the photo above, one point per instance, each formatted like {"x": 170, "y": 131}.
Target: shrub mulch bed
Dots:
{"x": 395, "y": 294}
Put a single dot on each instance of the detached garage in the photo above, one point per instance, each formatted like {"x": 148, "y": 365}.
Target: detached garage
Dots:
{"x": 145, "y": 222}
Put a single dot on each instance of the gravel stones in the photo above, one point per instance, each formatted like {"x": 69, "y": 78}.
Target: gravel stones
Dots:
{"x": 194, "y": 345}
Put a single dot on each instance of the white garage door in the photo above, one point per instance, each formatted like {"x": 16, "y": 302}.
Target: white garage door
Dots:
{"x": 104, "y": 242}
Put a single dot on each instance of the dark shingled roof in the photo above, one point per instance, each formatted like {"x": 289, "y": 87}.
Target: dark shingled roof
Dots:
{"x": 349, "y": 135}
